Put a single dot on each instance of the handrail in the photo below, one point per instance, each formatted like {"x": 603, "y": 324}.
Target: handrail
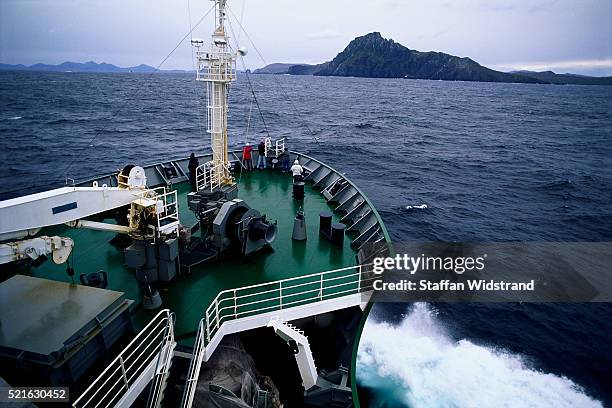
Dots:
{"x": 280, "y": 146}
{"x": 194, "y": 368}
{"x": 211, "y": 176}
{"x": 357, "y": 280}
{"x": 267, "y": 146}
{"x": 277, "y": 148}
{"x": 215, "y": 66}
{"x": 169, "y": 208}
{"x": 264, "y": 297}
{"x": 202, "y": 175}
{"x": 121, "y": 374}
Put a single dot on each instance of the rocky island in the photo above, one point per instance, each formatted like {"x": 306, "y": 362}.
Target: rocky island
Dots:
{"x": 373, "y": 56}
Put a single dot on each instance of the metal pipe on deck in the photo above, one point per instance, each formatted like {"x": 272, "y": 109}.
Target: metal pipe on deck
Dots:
{"x": 99, "y": 226}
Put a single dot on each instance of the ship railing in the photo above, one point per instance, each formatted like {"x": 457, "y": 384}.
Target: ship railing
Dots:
{"x": 166, "y": 208}
{"x": 193, "y": 375}
{"x": 274, "y": 148}
{"x": 210, "y": 175}
{"x": 202, "y": 172}
{"x": 291, "y": 292}
{"x": 280, "y": 146}
{"x": 267, "y": 146}
{"x": 218, "y": 66}
{"x": 266, "y": 297}
{"x": 145, "y": 358}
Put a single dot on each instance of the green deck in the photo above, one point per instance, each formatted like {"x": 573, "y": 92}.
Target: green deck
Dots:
{"x": 188, "y": 295}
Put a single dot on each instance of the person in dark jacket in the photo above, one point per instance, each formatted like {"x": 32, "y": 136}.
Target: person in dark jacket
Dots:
{"x": 247, "y": 158}
{"x": 284, "y": 160}
{"x": 261, "y": 160}
{"x": 193, "y": 165}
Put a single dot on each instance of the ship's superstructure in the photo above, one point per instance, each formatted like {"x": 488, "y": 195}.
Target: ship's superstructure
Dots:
{"x": 228, "y": 224}
{"x": 188, "y": 236}
{"x": 217, "y": 69}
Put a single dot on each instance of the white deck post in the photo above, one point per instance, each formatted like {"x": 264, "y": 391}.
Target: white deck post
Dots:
{"x": 235, "y": 305}
{"x": 207, "y": 327}
{"x": 123, "y": 373}
{"x": 321, "y": 288}
{"x": 218, "y": 324}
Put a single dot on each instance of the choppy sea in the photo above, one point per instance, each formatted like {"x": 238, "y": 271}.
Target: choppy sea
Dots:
{"x": 491, "y": 162}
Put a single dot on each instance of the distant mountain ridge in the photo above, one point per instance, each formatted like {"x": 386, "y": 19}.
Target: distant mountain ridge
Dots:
{"x": 564, "y": 79}
{"x": 89, "y": 66}
{"x": 373, "y": 56}
{"x": 276, "y": 68}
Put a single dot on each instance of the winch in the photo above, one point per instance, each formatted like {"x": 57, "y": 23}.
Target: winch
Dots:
{"x": 232, "y": 225}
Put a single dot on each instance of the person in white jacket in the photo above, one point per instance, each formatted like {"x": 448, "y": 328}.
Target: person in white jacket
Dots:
{"x": 297, "y": 171}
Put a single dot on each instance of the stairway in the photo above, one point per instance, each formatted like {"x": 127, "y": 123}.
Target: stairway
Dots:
{"x": 296, "y": 338}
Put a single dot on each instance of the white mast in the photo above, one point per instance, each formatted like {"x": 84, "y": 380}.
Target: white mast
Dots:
{"x": 218, "y": 69}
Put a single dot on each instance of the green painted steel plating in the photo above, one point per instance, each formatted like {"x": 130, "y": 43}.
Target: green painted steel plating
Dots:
{"x": 189, "y": 295}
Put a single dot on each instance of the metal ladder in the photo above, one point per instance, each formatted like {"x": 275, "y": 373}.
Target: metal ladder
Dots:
{"x": 303, "y": 354}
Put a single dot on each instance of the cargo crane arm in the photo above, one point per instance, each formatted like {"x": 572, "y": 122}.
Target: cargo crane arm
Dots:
{"x": 23, "y": 217}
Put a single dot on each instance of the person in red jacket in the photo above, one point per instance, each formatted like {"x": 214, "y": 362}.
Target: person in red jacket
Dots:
{"x": 247, "y": 158}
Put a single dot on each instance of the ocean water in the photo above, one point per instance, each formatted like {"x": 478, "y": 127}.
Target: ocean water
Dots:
{"x": 417, "y": 361}
{"x": 451, "y": 161}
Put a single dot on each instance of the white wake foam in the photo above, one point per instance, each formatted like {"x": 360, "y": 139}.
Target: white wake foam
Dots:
{"x": 417, "y": 207}
{"x": 417, "y": 364}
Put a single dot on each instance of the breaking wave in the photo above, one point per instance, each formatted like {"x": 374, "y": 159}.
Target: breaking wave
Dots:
{"x": 417, "y": 364}
{"x": 417, "y": 207}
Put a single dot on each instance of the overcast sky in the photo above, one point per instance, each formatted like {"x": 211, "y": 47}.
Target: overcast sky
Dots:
{"x": 562, "y": 35}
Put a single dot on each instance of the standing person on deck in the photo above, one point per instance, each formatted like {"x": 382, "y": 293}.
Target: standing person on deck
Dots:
{"x": 297, "y": 171}
{"x": 284, "y": 160}
{"x": 261, "y": 160}
{"x": 247, "y": 159}
{"x": 193, "y": 165}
